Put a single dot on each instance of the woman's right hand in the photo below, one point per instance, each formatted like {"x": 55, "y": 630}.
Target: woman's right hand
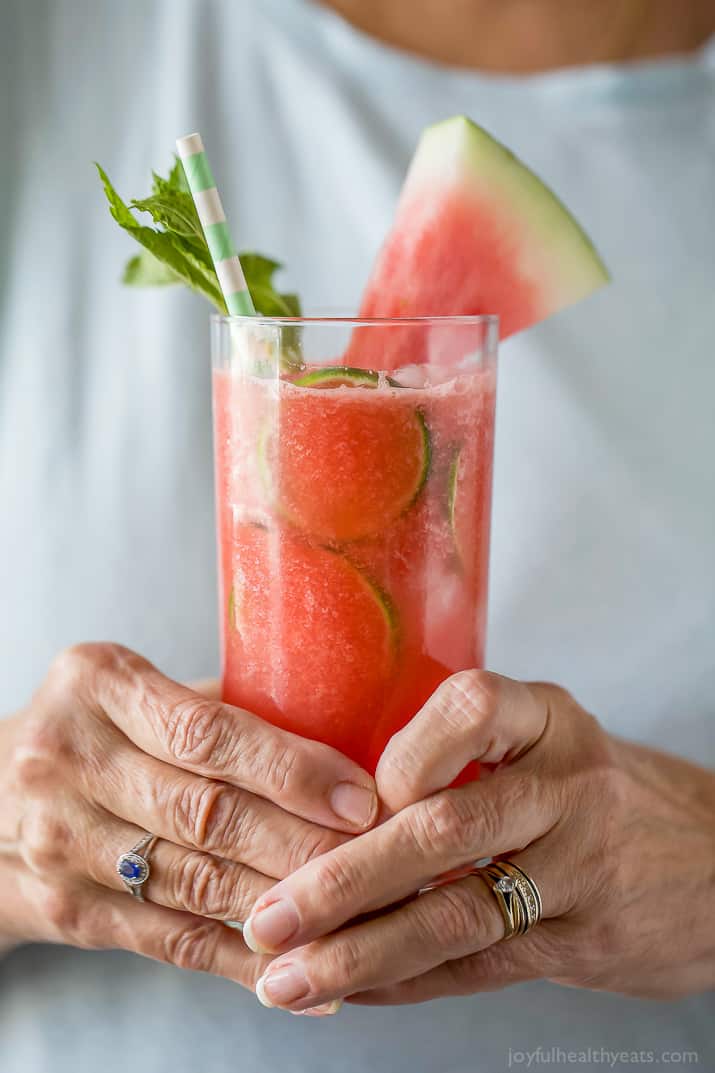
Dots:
{"x": 109, "y": 749}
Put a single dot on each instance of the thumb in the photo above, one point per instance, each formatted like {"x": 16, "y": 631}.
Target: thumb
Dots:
{"x": 474, "y": 715}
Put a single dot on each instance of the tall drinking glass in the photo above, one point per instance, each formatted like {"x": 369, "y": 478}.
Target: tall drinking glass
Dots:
{"x": 353, "y": 476}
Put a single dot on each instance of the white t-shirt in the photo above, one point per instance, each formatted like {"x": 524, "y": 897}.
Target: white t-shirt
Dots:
{"x": 604, "y": 510}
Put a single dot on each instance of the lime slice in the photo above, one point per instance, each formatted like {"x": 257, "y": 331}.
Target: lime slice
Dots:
{"x": 338, "y": 376}
{"x": 346, "y": 465}
{"x": 456, "y": 520}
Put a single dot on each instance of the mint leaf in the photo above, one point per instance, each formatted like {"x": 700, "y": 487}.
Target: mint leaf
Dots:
{"x": 259, "y": 272}
{"x": 145, "y": 270}
{"x": 260, "y": 268}
{"x": 175, "y": 250}
{"x": 169, "y": 248}
{"x": 174, "y": 212}
{"x": 292, "y": 304}
{"x": 175, "y": 181}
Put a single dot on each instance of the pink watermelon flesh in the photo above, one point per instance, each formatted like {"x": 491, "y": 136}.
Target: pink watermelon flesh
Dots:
{"x": 476, "y": 232}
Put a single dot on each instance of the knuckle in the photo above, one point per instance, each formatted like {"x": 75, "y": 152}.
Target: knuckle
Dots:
{"x": 59, "y": 907}
{"x": 611, "y": 782}
{"x": 203, "y": 885}
{"x": 467, "y": 704}
{"x": 439, "y": 825}
{"x": 486, "y": 823}
{"x": 603, "y": 779}
{"x": 206, "y": 814}
{"x": 45, "y": 841}
{"x": 344, "y": 962}
{"x": 41, "y": 751}
{"x": 313, "y": 843}
{"x": 335, "y": 880}
{"x": 453, "y": 920}
{"x": 192, "y": 946}
{"x": 399, "y": 764}
{"x": 601, "y": 949}
{"x": 478, "y": 691}
{"x": 195, "y": 732}
{"x": 282, "y": 772}
{"x": 71, "y": 667}
{"x": 512, "y": 802}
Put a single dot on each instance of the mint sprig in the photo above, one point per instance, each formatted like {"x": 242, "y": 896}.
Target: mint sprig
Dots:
{"x": 175, "y": 250}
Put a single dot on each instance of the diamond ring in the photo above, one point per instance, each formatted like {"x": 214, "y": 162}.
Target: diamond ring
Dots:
{"x": 518, "y": 896}
{"x": 133, "y": 867}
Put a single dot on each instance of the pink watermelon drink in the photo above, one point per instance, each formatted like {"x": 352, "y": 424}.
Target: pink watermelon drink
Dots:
{"x": 354, "y": 458}
{"x": 354, "y": 525}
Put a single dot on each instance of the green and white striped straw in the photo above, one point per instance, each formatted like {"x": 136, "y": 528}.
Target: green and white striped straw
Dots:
{"x": 213, "y": 220}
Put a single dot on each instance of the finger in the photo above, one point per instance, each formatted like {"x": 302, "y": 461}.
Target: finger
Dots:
{"x": 446, "y": 923}
{"x": 474, "y": 715}
{"x": 442, "y": 923}
{"x": 199, "y": 813}
{"x": 76, "y": 842}
{"x": 93, "y": 917}
{"x": 402, "y": 855}
{"x": 531, "y": 957}
{"x": 186, "y": 730}
{"x": 187, "y": 880}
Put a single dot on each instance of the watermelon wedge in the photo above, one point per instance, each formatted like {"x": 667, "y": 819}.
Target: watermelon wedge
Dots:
{"x": 476, "y": 232}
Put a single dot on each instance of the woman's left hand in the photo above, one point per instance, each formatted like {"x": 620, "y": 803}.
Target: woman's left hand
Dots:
{"x": 620, "y": 840}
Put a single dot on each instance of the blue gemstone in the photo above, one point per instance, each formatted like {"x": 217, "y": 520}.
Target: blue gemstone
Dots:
{"x": 130, "y": 870}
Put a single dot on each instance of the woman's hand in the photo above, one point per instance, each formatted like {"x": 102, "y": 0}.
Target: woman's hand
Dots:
{"x": 108, "y": 749}
{"x": 619, "y": 839}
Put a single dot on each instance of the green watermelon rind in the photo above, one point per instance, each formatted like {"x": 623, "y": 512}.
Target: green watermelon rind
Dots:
{"x": 458, "y": 151}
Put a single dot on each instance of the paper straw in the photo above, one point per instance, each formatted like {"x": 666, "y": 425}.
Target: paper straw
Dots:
{"x": 213, "y": 220}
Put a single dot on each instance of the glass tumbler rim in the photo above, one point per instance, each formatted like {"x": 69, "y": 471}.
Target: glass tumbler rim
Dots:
{"x": 487, "y": 320}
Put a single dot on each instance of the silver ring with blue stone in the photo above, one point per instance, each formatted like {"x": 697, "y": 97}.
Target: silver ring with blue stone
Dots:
{"x": 133, "y": 867}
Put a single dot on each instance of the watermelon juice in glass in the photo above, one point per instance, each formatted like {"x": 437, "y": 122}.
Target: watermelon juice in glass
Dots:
{"x": 353, "y": 515}
{"x": 354, "y": 456}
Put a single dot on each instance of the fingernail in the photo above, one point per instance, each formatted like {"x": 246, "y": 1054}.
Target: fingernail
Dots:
{"x": 326, "y": 1010}
{"x": 269, "y": 928}
{"x": 278, "y": 987}
{"x": 356, "y": 804}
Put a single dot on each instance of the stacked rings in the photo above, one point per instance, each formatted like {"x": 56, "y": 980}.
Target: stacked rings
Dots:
{"x": 517, "y": 895}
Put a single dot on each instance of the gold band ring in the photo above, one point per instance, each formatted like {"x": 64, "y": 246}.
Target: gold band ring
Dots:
{"x": 516, "y": 893}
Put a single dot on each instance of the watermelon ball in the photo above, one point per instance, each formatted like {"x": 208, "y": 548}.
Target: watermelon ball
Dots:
{"x": 312, "y": 641}
{"x": 345, "y": 458}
